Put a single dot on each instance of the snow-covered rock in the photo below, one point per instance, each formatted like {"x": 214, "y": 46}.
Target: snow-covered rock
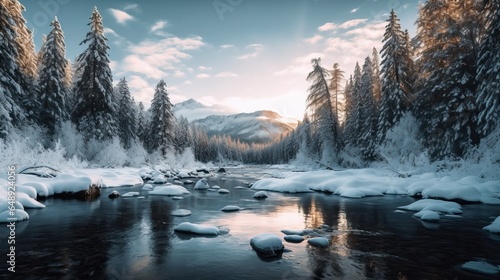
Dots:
{"x": 427, "y": 216}
{"x": 202, "y": 184}
{"x": 445, "y": 207}
{"x": 114, "y": 194}
{"x": 177, "y": 198}
{"x": 494, "y": 227}
{"x": 197, "y": 229}
{"x": 147, "y": 187}
{"x": 160, "y": 179}
{"x": 230, "y": 208}
{"x": 319, "y": 241}
{"x": 172, "y": 190}
{"x": 27, "y": 201}
{"x": 223, "y": 191}
{"x": 180, "y": 213}
{"x": 268, "y": 245}
{"x": 260, "y": 195}
{"x": 215, "y": 187}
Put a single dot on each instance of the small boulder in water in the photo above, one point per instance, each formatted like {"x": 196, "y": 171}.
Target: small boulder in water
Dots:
{"x": 202, "y": 185}
{"x": 114, "y": 194}
{"x": 267, "y": 245}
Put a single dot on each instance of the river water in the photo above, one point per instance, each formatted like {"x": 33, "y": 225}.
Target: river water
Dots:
{"x": 133, "y": 238}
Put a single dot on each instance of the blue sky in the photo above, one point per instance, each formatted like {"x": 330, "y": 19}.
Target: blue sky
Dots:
{"x": 245, "y": 54}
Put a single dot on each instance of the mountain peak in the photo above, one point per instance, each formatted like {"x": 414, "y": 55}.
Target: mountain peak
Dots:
{"x": 189, "y": 104}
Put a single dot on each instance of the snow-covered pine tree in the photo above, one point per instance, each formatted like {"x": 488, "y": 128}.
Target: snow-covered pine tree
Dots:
{"x": 126, "y": 114}
{"x": 11, "y": 93}
{"x": 93, "y": 113}
{"x": 395, "y": 72}
{"x": 319, "y": 101}
{"x": 182, "y": 134}
{"x": 377, "y": 83}
{"x": 488, "y": 74}
{"x": 162, "y": 121}
{"x": 351, "y": 127}
{"x": 366, "y": 113}
{"x": 142, "y": 124}
{"x": 335, "y": 88}
{"x": 26, "y": 59}
{"x": 52, "y": 84}
{"x": 446, "y": 87}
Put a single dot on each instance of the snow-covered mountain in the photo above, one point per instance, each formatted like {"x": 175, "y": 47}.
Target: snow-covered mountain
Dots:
{"x": 194, "y": 110}
{"x": 257, "y": 127}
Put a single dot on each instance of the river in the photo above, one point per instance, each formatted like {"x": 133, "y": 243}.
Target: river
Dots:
{"x": 133, "y": 238}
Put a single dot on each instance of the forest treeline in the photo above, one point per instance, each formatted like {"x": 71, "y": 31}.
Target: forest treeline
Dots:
{"x": 434, "y": 95}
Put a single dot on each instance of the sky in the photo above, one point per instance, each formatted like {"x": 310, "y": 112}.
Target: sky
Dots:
{"x": 247, "y": 55}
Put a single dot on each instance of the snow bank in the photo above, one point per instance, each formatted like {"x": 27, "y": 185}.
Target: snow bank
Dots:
{"x": 445, "y": 207}
{"x": 269, "y": 245}
{"x": 281, "y": 185}
{"x": 197, "y": 229}
{"x": 172, "y": 190}
{"x": 116, "y": 177}
{"x": 358, "y": 183}
{"x": 19, "y": 214}
{"x": 494, "y": 227}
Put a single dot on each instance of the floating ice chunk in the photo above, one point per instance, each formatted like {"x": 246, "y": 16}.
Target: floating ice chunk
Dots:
{"x": 481, "y": 267}
{"x": 223, "y": 191}
{"x": 427, "y": 215}
{"x": 177, "y": 197}
{"x": 319, "y": 241}
{"x": 494, "y": 227}
{"x": 260, "y": 194}
{"x": 294, "y": 238}
{"x": 130, "y": 194}
{"x": 268, "y": 245}
{"x": 197, "y": 229}
{"x": 181, "y": 213}
{"x": 293, "y": 232}
{"x": 446, "y": 207}
{"x": 202, "y": 184}
{"x": 230, "y": 208}
{"x": 147, "y": 187}
{"x": 28, "y": 202}
{"x": 173, "y": 190}
{"x": 19, "y": 214}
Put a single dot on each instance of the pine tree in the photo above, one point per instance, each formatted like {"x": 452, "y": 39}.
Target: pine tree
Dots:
{"x": 142, "y": 124}
{"x": 93, "y": 114}
{"x": 351, "y": 128}
{"x": 366, "y": 113}
{"x": 26, "y": 59}
{"x": 447, "y": 110}
{"x": 396, "y": 94}
{"x": 11, "y": 93}
{"x": 377, "y": 84}
{"x": 162, "y": 121}
{"x": 126, "y": 114}
{"x": 52, "y": 84}
{"x": 488, "y": 74}
{"x": 319, "y": 102}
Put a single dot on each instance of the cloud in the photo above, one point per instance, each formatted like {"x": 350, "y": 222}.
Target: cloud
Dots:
{"x": 159, "y": 25}
{"x": 314, "y": 39}
{"x": 355, "y": 10}
{"x": 256, "y": 50}
{"x": 226, "y": 75}
{"x": 121, "y": 16}
{"x": 226, "y": 46}
{"x": 327, "y": 26}
{"x": 132, "y": 7}
{"x": 352, "y": 23}
{"x": 187, "y": 82}
{"x": 204, "y": 68}
{"x": 179, "y": 74}
{"x": 203, "y": 76}
{"x": 300, "y": 65}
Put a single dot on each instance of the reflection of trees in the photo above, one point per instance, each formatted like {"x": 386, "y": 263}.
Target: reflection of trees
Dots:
{"x": 160, "y": 220}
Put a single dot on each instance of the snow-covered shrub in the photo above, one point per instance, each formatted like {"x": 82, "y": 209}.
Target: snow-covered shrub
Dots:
{"x": 71, "y": 139}
{"x": 351, "y": 157}
{"x": 106, "y": 153}
{"x": 136, "y": 154}
{"x": 402, "y": 148}
{"x": 484, "y": 160}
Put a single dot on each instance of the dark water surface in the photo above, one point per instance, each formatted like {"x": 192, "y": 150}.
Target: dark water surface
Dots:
{"x": 133, "y": 238}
